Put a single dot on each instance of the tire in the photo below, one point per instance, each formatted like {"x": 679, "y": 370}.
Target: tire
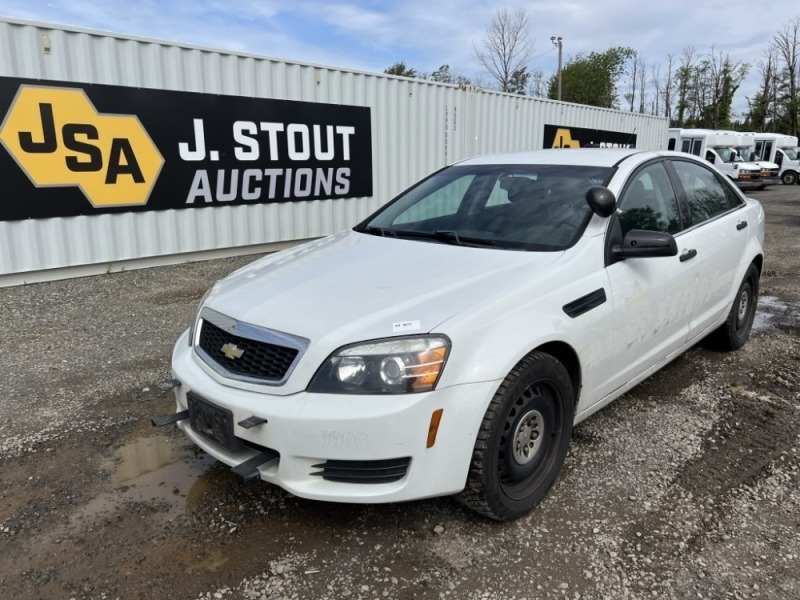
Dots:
{"x": 733, "y": 334}
{"x": 509, "y": 474}
{"x": 789, "y": 178}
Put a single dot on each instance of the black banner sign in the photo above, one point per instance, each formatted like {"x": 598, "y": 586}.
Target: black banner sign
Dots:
{"x": 81, "y": 149}
{"x": 558, "y": 136}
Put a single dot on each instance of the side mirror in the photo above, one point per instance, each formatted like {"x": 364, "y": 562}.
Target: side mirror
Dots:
{"x": 602, "y": 201}
{"x": 641, "y": 243}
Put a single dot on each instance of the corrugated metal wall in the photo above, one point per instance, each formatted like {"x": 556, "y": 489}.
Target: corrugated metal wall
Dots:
{"x": 417, "y": 127}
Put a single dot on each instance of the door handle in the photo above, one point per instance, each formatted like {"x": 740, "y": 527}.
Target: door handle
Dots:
{"x": 688, "y": 255}
{"x": 741, "y": 225}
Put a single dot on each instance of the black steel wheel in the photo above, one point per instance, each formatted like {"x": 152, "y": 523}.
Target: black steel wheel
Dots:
{"x": 522, "y": 441}
{"x": 789, "y": 177}
{"x": 733, "y": 334}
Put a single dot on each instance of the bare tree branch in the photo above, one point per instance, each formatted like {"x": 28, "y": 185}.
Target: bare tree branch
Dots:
{"x": 507, "y": 47}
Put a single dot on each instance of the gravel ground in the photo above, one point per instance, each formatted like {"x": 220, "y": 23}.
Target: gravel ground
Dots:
{"x": 687, "y": 487}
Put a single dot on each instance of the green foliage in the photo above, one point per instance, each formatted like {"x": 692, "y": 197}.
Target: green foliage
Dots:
{"x": 442, "y": 75}
{"x": 592, "y": 79}
{"x": 706, "y": 88}
{"x": 519, "y": 81}
{"x": 400, "y": 68}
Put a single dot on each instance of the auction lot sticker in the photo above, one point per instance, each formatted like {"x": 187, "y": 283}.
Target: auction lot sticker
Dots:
{"x": 71, "y": 149}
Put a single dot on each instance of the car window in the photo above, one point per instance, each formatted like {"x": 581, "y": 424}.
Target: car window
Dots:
{"x": 516, "y": 206}
{"x": 649, "y": 202}
{"x": 439, "y": 203}
{"x": 705, "y": 194}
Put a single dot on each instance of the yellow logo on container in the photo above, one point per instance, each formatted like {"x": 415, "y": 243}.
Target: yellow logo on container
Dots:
{"x": 59, "y": 139}
{"x": 563, "y": 139}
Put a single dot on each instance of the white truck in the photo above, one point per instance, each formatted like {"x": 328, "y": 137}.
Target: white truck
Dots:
{"x": 747, "y": 148}
{"x": 781, "y": 150}
{"x": 720, "y": 149}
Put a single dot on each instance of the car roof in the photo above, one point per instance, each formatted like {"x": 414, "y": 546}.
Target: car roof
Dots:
{"x": 588, "y": 157}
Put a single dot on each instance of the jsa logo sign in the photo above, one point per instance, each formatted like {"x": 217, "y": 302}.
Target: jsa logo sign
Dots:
{"x": 59, "y": 139}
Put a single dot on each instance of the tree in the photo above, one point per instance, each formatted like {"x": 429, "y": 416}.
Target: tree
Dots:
{"x": 592, "y": 79}
{"x": 442, "y": 75}
{"x": 519, "y": 81}
{"x": 658, "y": 91}
{"x": 507, "y": 48}
{"x": 537, "y": 84}
{"x": 787, "y": 44}
{"x": 400, "y": 68}
{"x": 637, "y": 66}
{"x": 763, "y": 105}
{"x": 706, "y": 88}
{"x": 684, "y": 83}
{"x": 668, "y": 88}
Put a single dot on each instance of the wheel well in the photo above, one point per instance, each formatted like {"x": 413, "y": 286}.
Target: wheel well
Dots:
{"x": 567, "y": 357}
{"x": 758, "y": 261}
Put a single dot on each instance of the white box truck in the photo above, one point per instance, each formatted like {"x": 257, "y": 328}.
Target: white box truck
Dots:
{"x": 720, "y": 149}
{"x": 781, "y": 150}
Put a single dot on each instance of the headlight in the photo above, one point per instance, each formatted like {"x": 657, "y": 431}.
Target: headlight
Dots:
{"x": 193, "y": 329}
{"x": 392, "y": 366}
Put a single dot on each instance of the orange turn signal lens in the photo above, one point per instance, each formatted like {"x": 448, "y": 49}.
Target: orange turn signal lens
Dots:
{"x": 433, "y": 428}
{"x": 428, "y": 368}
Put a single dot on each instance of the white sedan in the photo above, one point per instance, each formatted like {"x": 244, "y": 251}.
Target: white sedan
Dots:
{"x": 449, "y": 343}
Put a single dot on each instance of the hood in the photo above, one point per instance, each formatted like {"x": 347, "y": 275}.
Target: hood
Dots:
{"x": 353, "y": 286}
{"x": 758, "y": 164}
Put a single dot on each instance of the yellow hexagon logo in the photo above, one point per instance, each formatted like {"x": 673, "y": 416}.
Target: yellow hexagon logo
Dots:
{"x": 59, "y": 139}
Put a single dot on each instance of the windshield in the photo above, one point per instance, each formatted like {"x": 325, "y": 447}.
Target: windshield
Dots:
{"x": 746, "y": 153}
{"x": 728, "y": 155}
{"x": 791, "y": 153}
{"x": 525, "y": 207}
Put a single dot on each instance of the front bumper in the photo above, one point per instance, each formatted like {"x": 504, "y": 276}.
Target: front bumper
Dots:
{"x": 308, "y": 429}
{"x": 755, "y": 183}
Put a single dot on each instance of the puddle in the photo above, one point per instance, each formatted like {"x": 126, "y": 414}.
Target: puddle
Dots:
{"x": 159, "y": 469}
{"x": 773, "y": 313}
{"x": 146, "y": 455}
{"x": 216, "y": 558}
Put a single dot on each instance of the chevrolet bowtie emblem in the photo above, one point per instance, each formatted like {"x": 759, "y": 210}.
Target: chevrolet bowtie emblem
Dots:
{"x": 232, "y": 351}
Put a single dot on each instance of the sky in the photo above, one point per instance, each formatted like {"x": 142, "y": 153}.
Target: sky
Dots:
{"x": 371, "y": 35}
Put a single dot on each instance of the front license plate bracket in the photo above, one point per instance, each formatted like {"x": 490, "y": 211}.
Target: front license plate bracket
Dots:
{"x": 213, "y": 423}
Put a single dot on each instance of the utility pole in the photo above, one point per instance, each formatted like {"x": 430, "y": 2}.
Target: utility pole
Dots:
{"x": 558, "y": 44}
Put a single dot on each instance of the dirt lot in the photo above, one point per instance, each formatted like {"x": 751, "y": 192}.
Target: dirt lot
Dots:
{"x": 687, "y": 487}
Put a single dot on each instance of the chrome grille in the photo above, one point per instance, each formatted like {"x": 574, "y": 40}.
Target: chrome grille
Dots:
{"x": 247, "y": 352}
{"x": 258, "y": 360}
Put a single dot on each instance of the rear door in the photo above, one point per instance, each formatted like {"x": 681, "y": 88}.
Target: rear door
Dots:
{"x": 716, "y": 238}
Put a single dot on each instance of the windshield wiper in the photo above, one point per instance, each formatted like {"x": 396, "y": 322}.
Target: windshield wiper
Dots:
{"x": 447, "y": 236}
{"x": 460, "y": 240}
{"x": 444, "y": 235}
{"x": 381, "y": 231}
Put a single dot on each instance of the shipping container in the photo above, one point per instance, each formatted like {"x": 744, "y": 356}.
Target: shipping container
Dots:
{"x": 120, "y": 152}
